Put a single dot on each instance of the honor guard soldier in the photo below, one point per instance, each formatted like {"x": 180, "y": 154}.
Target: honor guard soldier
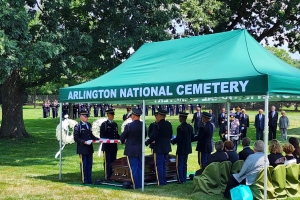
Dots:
{"x": 75, "y": 110}
{"x": 109, "y": 130}
{"x": 96, "y": 109}
{"x": 232, "y": 131}
{"x": 132, "y": 137}
{"x": 54, "y": 105}
{"x": 191, "y": 109}
{"x": 162, "y": 134}
{"x": 184, "y": 146}
{"x": 45, "y": 109}
{"x": 153, "y": 109}
{"x": 83, "y": 136}
{"x": 128, "y": 114}
{"x": 205, "y": 139}
{"x": 150, "y": 130}
{"x": 65, "y": 109}
{"x": 102, "y": 110}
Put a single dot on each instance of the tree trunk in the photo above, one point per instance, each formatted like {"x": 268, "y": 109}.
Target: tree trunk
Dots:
{"x": 12, "y": 125}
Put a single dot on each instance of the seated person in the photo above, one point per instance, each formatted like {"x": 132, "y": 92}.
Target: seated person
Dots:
{"x": 229, "y": 149}
{"x": 246, "y": 149}
{"x": 275, "y": 157}
{"x": 288, "y": 149}
{"x": 218, "y": 156}
{"x": 252, "y": 166}
{"x": 295, "y": 142}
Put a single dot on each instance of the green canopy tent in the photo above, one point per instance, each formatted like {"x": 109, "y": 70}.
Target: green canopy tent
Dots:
{"x": 216, "y": 68}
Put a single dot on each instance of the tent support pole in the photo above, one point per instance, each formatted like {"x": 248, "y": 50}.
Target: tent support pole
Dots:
{"x": 266, "y": 145}
{"x": 60, "y": 141}
{"x": 228, "y": 119}
{"x": 143, "y": 145}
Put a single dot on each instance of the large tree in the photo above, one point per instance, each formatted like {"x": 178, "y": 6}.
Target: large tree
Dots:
{"x": 74, "y": 40}
{"x": 262, "y": 18}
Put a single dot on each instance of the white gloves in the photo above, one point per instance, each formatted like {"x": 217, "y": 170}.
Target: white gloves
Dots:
{"x": 242, "y": 128}
{"x": 89, "y": 142}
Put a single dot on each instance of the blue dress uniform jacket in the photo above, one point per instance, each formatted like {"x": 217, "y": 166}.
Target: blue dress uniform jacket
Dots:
{"x": 109, "y": 131}
{"x": 204, "y": 138}
{"x": 184, "y": 139}
{"x": 162, "y": 134}
{"x": 82, "y": 134}
{"x": 133, "y": 139}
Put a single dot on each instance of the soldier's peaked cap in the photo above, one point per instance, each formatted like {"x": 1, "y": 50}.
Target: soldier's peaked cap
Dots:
{"x": 84, "y": 112}
{"x": 183, "y": 114}
{"x": 110, "y": 111}
{"x": 161, "y": 111}
{"x": 136, "y": 112}
{"x": 206, "y": 115}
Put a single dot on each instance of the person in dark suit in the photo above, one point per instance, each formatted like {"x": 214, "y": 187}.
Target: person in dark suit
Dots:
{"x": 65, "y": 109}
{"x": 83, "y": 136}
{"x": 109, "y": 130}
{"x": 150, "y": 131}
{"x": 218, "y": 156}
{"x": 184, "y": 146}
{"x": 273, "y": 118}
{"x": 162, "y": 134}
{"x": 244, "y": 123}
{"x": 191, "y": 108}
{"x": 204, "y": 139}
{"x": 246, "y": 149}
{"x": 132, "y": 137}
{"x": 259, "y": 124}
{"x": 213, "y": 117}
{"x": 75, "y": 110}
{"x": 153, "y": 109}
{"x": 197, "y": 120}
{"x": 128, "y": 114}
{"x": 221, "y": 122}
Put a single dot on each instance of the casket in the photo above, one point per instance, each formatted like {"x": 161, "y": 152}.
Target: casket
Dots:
{"x": 122, "y": 174}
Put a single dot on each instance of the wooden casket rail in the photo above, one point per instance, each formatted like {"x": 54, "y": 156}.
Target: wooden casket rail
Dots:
{"x": 121, "y": 172}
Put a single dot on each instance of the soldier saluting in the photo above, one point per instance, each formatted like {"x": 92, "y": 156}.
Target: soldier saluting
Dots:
{"x": 109, "y": 130}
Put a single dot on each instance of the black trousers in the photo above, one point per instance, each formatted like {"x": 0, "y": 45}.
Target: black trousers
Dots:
{"x": 232, "y": 182}
{"x": 272, "y": 132}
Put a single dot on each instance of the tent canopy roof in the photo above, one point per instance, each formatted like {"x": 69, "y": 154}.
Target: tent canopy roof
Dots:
{"x": 217, "y": 65}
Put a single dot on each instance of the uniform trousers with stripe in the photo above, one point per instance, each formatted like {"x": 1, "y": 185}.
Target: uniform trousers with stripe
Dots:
{"x": 202, "y": 158}
{"x": 181, "y": 168}
{"x": 160, "y": 164}
{"x": 109, "y": 158}
{"x": 135, "y": 165}
{"x": 86, "y": 163}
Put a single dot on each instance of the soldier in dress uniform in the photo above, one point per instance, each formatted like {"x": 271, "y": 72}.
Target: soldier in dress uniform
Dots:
{"x": 191, "y": 109}
{"x": 128, "y": 114}
{"x": 132, "y": 137}
{"x": 83, "y": 136}
{"x": 65, "y": 109}
{"x": 102, "y": 110}
{"x": 109, "y": 130}
{"x": 204, "y": 139}
{"x": 96, "y": 109}
{"x": 75, "y": 110}
{"x": 171, "y": 110}
{"x": 153, "y": 109}
{"x": 234, "y": 130}
{"x": 177, "y": 109}
{"x": 184, "y": 146}
{"x": 150, "y": 130}
{"x": 162, "y": 134}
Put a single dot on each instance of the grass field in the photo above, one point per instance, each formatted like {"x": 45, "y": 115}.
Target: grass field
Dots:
{"x": 30, "y": 171}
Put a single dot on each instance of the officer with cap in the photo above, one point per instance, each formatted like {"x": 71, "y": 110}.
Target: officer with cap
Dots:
{"x": 109, "y": 130}
{"x": 133, "y": 139}
{"x": 83, "y": 136}
{"x": 205, "y": 139}
{"x": 184, "y": 146}
{"x": 233, "y": 130}
{"x": 128, "y": 114}
{"x": 162, "y": 134}
{"x": 96, "y": 109}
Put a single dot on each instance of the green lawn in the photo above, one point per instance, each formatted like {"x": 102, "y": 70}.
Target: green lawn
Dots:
{"x": 30, "y": 171}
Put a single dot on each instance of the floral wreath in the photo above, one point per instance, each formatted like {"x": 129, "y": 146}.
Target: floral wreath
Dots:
{"x": 67, "y": 134}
